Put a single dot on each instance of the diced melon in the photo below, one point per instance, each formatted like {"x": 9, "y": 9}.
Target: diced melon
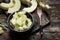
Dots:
{"x": 25, "y": 27}
{"x": 19, "y": 21}
{"x": 13, "y": 21}
{"x": 21, "y": 12}
{"x": 29, "y": 22}
{"x": 15, "y": 16}
{"x": 21, "y": 28}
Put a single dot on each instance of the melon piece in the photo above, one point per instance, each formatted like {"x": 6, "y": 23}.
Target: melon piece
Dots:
{"x": 7, "y": 5}
{"x": 15, "y": 16}
{"x": 21, "y": 28}
{"x": 13, "y": 21}
{"x": 1, "y": 30}
{"x": 25, "y": 27}
{"x": 44, "y": 6}
{"x": 29, "y": 22}
{"x": 21, "y": 13}
{"x": 32, "y": 7}
{"x": 16, "y": 7}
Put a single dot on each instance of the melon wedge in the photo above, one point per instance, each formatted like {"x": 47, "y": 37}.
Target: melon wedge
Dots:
{"x": 7, "y": 5}
{"x": 16, "y": 7}
{"x": 32, "y": 7}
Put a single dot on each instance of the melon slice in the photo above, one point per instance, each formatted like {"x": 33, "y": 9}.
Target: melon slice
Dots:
{"x": 7, "y": 5}
{"x": 32, "y": 7}
{"x": 16, "y": 7}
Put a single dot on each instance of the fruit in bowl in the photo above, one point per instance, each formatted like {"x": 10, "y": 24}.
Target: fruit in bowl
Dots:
{"x": 21, "y": 21}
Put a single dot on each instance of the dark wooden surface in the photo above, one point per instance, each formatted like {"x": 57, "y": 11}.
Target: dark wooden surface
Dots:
{"x": 51, "y": 32}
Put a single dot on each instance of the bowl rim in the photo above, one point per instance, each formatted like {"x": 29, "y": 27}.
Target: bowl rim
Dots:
{"x": 20, "y": 31}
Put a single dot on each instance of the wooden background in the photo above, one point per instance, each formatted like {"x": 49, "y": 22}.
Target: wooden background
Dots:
{"x": 51, "y": 32}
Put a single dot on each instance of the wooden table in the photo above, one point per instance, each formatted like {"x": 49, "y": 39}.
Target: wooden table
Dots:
{"x": 51, "y": 32}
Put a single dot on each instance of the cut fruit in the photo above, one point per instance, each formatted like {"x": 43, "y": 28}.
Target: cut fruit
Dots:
{"x": 7, "y": 5}
{"x": 29, "y": 22}
{"x": 21, "y": 13}
{"x": 32, "y": 8}
{"x": 16, "y": 7}
{"x": 21, "y": 28}
{"x": 1, "y": 30}
{"x": 20, "y": 21}
{"x": 15, "y": 15}
{"x": 44, "y": 6}
{"x": 13, "y": 21}
{"x": 25, "y": 27}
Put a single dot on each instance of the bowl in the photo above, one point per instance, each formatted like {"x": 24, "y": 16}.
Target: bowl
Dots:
{"x": 28, "y": 16}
